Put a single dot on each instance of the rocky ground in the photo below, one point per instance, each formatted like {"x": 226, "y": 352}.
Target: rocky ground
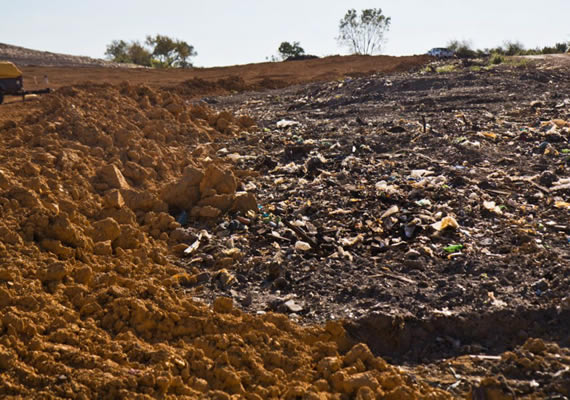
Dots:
{"x": 358, "y": 180}
{"x": 401, "y": 235}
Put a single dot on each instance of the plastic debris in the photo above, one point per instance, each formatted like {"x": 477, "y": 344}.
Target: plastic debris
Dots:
{"x": 446, "y": 222}
{"x": 285, "y": 123}
{"x": 453, "y": 248}
{"x": 492, "y": 207}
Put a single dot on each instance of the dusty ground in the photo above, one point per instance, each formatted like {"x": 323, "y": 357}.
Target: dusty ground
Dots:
{"x": 264, "y": 75}
{"x": 310, "y": 216}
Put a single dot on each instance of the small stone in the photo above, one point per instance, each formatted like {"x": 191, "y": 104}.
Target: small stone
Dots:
{"x": 280, "y": 283}
{"x": 224, "y": 182}
{"x": 113, "y": 177}
{"x": 225, "y": 278}
{"x": 292, "y": 306}
{"x": 205, "y": 212}
{"x": 302, "y": 246}
{"x": 203, "y": 277}
{"x": 223, "y": 304}
{"x": 244, "y": 202}
{"x": 84, "y": 274}
{"x": 414, "y": 264}
{"x": 186, "y": 192}
{"x": 247, "y": 300}
{"x": 358, "y": 352}
{"x": 5, "y": 298}
{"x": 547, "y": 178}
{"x": 175, "y": 108}
{"x": 329, "y": 365}
{"x": 130, "y": 238}
{"x": 535, "y": 346}
{"x": 541, "y": 285}
{"x": 106, "y": 229}
{"x": 412, "y": 254}
{"x": 363, "y": 379}
{"x": 56, "y": 271}
{"x": 57, "y": 248}
{"x": 113, "y": 199}
{"x": 446, "y": 222}
{"x": 220, "y": 201}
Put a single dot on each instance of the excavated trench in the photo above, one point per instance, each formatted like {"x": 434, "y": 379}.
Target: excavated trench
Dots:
{"x": 405, "y": 339}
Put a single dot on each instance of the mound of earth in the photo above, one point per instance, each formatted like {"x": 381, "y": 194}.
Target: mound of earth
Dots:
{"x": 27, "y": 57}
{"x": 391, "y": 236}
{"x": 95, "y": 184}
{"x": 198, "y": 82}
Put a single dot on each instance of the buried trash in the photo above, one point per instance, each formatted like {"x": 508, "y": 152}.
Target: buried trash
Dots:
{"x": 444, "y": 223}
{"x": 359, "y": 225}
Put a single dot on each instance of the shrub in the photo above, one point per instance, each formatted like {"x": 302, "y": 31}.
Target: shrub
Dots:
{"x": 462, "y": 49}
{"x": 446, "y": 68}
{"x": 496, "y": 59}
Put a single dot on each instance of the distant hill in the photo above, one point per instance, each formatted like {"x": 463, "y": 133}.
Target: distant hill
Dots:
{"x": 22, "y": 56}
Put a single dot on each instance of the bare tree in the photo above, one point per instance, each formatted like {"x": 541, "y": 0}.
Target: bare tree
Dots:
{"x": 363, "y": 34}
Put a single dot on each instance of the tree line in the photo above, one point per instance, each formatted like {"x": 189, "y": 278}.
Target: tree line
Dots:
{"x": 158, "y": 51}
{"x": 361, "y": 33}
{"x": 463, "y": 48}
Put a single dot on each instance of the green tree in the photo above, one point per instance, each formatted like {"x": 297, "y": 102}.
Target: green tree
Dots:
{"x": 118, "y": 51}
{"x": 364, "y": 33}
{"x": 122, "y": 52}
{"x": 561, "y": 47}
{"x": 184, "y": 52}
{"x": 139, "y": 55}
{"x": 287, "y": 50}
{"x": 168, "y": 52}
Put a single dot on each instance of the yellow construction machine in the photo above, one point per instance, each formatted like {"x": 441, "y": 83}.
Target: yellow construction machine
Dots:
{"x": 11, "y": 82}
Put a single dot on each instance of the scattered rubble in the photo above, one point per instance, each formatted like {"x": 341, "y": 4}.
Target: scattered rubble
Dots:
{"x": 414, "y": 195}
{"x": 419, "y": 219}
{"x": 100, "y": 189}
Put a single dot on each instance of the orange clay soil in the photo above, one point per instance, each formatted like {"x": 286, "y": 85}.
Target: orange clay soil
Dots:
{"x": 90, "y": 301}
{"x": 271, "y": 74}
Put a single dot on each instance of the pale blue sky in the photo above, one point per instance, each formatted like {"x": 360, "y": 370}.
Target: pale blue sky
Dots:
{"x": 237, "y": 32}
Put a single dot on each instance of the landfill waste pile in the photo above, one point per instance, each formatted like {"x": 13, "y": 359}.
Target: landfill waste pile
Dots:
{"x": 429, "y": 211}
{"x": 394, "y": 236}
{"x": 103, "y": 190}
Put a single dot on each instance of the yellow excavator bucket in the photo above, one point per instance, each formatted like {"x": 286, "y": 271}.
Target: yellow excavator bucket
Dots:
{"x": 9, "y": 70}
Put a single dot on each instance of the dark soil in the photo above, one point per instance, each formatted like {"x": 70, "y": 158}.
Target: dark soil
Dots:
{"x": 356, "y": 148}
